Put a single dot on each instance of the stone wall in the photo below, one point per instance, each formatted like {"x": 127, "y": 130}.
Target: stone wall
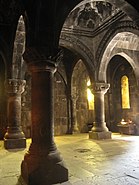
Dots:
{"x": 60, "y": 106}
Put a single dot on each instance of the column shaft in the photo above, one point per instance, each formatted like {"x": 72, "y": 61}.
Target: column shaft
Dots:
{"x": 42, "y": 109}
{"x": 14, "y": 137}
{"x": 99, "y": 123}
{"x": 99, "y": 129}
{"x": 75, "y": 128}
{"x": 42, "y": 164}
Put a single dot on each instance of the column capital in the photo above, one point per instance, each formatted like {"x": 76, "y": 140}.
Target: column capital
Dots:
{"x": 15, "y": 86}
{"x": 100, "y": 87}
{"x": 37, "y": 59}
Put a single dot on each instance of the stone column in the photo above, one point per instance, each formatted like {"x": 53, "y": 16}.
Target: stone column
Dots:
{"x": 69, "y": 115}
{"x": 75, "y": 128}
{"x": 42, "y": 164}
{"x": 14, "y": 137}
{"x": 99, "y": 129}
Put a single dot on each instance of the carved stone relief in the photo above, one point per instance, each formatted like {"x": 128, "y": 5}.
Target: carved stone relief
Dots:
{"x": 90, "y": 14}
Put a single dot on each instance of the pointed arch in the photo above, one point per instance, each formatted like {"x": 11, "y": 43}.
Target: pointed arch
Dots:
{"x": 77, "y": 46}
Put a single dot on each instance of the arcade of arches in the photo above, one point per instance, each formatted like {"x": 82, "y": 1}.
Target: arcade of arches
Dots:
{"x": 89, "y": 85}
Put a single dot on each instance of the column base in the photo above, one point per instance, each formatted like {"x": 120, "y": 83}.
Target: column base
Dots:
{"x": 75, "y": 130}
{"x": 100, "y": 135}
{"x": 43, "y": 171}
{"x": 14, "y": 143}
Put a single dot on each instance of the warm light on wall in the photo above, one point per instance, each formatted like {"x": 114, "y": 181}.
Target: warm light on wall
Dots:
{"x": 125, "y": 92}
{"x": 90, "y": 96}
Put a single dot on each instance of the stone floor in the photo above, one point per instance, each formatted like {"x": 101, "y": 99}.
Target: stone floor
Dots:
{"x": 90, "y": 162}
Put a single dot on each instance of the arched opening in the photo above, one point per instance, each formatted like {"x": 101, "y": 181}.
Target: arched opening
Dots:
{"x": 121, "y": 97}
{"x": 82, "y": 97}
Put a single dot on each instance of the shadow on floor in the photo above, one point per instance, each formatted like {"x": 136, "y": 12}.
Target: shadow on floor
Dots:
{"x": 22, "y": 182}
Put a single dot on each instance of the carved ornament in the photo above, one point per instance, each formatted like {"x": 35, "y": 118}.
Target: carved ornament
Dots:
{"x": 100, "y": 87}
{"x": 15, "y": 86}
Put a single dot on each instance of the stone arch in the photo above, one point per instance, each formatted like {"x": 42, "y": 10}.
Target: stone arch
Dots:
{"x": 77, "y": 46}
{"x": 121, "y": 65}
{"x": 103, "y": 69}
{"x": 133, "y": 64}
{"x": 123, "y": 26}
{"x": 82, "y": 115}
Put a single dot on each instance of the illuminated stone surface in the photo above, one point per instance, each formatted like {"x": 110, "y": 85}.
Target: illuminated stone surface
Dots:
{"x": 91, "y": 162}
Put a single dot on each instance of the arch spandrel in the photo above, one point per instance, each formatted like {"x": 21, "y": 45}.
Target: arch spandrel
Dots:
{"x": 77, "y": 46}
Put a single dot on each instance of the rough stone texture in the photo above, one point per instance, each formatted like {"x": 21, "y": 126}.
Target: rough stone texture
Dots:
{"x": 15, "y": 143}
{"x": 19, "y": 45}
{"x": 99, "y": 135}
{"x": 84, "y": 116}
{"x": 60, "y": 105}
{"x": 90, "y": 162}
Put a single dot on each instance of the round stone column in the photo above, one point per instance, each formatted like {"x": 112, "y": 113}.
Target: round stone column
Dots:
{"x": 42, "y": 164}
{"x": 75, "y": 128}
{"x": 99, "y": 129}
{"x": 14, "y": 137}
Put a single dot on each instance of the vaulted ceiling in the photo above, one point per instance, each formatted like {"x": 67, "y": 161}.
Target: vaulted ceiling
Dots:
{"x": 44, "y": 19}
